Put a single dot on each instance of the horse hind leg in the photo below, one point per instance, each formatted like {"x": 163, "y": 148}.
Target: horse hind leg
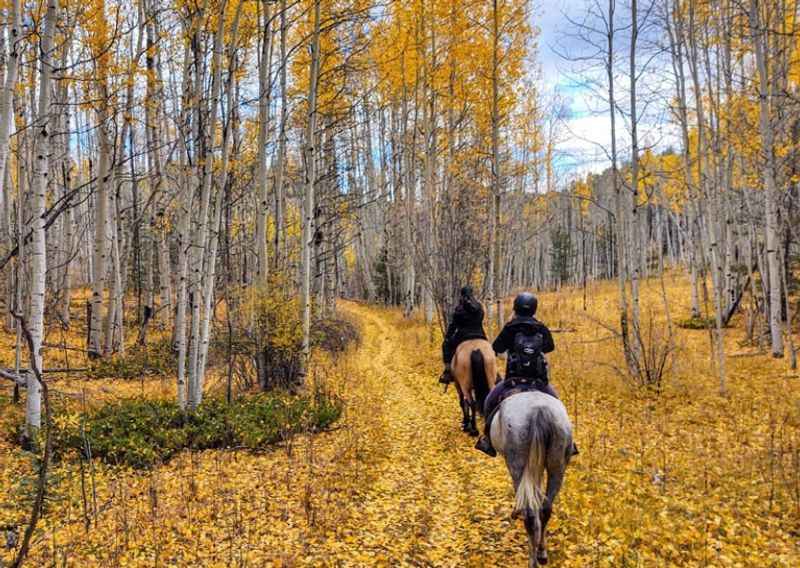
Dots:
{"x": 473, "y": 410}
{"x": 465, "y": 420}
{"x": 463, "y": 405}
{"x": 555, "y": 477}
{"x": 464, "y": 412}
{"x": 533, "y": 526}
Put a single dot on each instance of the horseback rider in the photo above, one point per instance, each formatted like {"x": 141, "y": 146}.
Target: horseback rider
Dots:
{"x": 526, "y": 340}
{"x": 466, "y": 323}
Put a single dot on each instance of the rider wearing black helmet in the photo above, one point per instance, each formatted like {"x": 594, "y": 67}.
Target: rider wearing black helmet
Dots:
{"x": 523, "y": 323}
{"x": 523, "y": 334}
{"x": 466, "y": 323}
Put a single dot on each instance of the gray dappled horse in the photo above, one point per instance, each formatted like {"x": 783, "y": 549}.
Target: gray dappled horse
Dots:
{"x": 534, "y": 434}
{"x": 474, "y": 369}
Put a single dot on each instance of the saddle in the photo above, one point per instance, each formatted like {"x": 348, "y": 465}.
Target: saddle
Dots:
{"x": 510, "y": 387}
{"x": 467, "y": 335}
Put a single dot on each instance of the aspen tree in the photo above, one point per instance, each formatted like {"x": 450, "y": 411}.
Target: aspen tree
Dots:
{"x": 309, "y": 159}
{"x": 264, "y": 92}
{"x": 7, "y": 93}
{"x": 199, "y": 258}
{"x": 38, "y": 203}
{"x": 759, "y": 27}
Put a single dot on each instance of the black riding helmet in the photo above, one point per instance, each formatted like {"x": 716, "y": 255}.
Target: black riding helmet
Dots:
{"x": 525, "y": 304}
{"x": 466, "y": 292}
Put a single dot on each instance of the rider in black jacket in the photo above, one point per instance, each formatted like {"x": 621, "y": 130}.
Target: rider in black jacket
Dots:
{"x": 466, "y": 323}
{"x": 524, "y": 323}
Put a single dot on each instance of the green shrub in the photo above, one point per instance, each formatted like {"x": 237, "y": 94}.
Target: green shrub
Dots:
{"x": 143, "y": 432}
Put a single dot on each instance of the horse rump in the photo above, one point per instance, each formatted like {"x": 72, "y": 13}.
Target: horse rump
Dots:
{"x": 480, "y": 382}
{"x": 529, "y": 495}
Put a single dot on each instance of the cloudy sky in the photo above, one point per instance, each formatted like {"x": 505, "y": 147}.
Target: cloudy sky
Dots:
{"x": 585, "y": 128}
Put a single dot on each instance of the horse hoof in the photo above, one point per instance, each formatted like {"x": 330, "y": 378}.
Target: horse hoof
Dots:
{"x": 472, "y": 432}
{"x": 541, "y": 556}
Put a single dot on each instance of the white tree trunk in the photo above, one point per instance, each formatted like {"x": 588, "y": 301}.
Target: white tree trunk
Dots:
{"x": 766, "y": 127}
{"x": 187, "y": 201}
{"x": 100, "y": 263}
{"x": 636, "y": 244}
{"x": 200, "y": 241}
{"x": 710, "y": 234}
{"x": 264, "y": 90}
{"x": 309, "y": 154}
{"x": 38, "y": 250}
{"x": 279, "y": 165}
{"x": 211, "y": 264}
{"x": 164, "y": 275}
{"x": 7, "y": 95}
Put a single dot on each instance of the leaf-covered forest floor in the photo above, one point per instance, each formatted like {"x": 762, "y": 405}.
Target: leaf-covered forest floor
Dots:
{"x": 684, "y": 478}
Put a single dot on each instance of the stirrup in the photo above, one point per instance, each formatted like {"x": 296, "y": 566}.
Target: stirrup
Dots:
{"x": 485, "y": 446}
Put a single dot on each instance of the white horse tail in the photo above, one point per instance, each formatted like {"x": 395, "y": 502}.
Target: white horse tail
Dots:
{"x": 530, "y": 496}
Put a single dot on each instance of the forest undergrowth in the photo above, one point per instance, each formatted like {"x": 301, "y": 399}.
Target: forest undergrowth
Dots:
{"x": 680, "y": 477}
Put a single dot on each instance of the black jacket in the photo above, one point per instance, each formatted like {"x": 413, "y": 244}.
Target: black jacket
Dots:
{"x": 529, "y": 326}
{"x": 467, "y": 320}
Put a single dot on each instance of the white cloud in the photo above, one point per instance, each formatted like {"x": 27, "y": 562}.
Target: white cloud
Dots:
{"x": 585, "y": 139}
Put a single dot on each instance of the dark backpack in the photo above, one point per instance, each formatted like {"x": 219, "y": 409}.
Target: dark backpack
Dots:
{"x": 527, "y": 359}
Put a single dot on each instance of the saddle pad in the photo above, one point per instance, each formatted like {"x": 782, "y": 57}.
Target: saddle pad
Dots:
{"x": 517, "y": 386}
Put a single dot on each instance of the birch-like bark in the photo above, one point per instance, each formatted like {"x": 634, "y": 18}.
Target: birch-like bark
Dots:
{"x": 761, "y": 47}
{"x": 619, "y": 213}
{"x": 493, "y": 284}
{"x": 100, "y": 249}
{"x": 183, "y": 235}
{"x": 7, "y": 95}
{"x": 634, "y": 233}
{"x": 309, "y": 155}
{"x": 200, "y": 239}
{"x": 211, "y": 264}
{"x": 155, "y": 88}
{"x": 710, "y": 233}
{"x": 66, "y": 174}
{"x": 264, "y": 91}
{"x": 38, "y": 204}
{"x": 114, "y": 315}
{"x": 279, "y": 165}
{"x": 164, "y": 274}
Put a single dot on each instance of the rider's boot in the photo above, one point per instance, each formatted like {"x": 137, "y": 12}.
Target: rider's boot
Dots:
{"x": 484, "y": 444}
{"x": 447, "y": 376}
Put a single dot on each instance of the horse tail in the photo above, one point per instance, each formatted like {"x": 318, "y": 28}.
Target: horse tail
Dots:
{"x": 479, "y": 380}
{"x": 530, "y": 497}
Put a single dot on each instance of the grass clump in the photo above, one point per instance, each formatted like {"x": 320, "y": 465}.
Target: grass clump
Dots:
{"x": 143, "y": 432}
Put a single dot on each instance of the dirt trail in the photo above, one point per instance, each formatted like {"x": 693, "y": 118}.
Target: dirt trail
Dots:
{"x": 432, "y": 494}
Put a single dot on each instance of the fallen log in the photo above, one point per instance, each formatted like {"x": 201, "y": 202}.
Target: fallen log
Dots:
{"x": 19, "y": 379}
{"x": 726, "y": 317}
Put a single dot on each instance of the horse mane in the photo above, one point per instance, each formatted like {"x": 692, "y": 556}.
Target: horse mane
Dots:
{"x": 480, "y": 381}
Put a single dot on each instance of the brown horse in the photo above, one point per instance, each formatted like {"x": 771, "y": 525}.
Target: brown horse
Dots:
{"x": 475, "y": 371}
